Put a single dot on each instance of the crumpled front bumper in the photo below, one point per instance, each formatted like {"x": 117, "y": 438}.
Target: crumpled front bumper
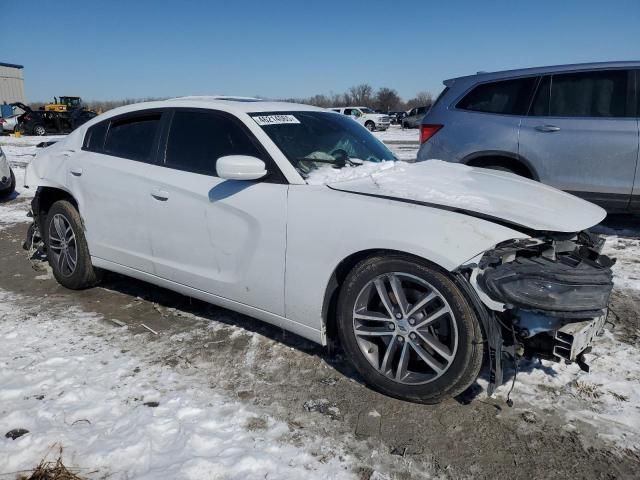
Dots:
{"x": 551, "y": 293}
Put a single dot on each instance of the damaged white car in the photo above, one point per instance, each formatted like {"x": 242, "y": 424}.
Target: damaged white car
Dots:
{"x": 300, "y": 217}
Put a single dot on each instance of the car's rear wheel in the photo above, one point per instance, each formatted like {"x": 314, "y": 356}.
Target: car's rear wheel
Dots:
{"x": 67, "y": 249}
{"x": 408, "y": 329}
{"x": 370, "y": 126}
{"x": 4, "y": 193}
{"x": 39, "y": 130}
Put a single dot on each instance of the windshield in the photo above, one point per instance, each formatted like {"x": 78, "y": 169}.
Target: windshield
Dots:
{"x": 310, "y": 140}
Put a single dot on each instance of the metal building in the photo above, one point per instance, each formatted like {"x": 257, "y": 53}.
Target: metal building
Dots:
{"x": 11, "y": 83}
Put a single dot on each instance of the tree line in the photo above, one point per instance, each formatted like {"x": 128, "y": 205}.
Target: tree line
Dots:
{"x": 384, "y": 99}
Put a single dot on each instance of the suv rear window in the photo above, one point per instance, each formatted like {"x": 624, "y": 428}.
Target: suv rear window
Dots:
{"x": 506, "y": 97}
{"x": 132, "y": 137}
{"x": 584, "y": 94}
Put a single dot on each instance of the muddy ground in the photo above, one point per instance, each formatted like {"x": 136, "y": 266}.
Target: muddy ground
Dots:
{"x": 300, "y": 383}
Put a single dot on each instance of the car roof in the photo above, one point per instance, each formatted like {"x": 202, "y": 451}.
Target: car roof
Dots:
{"x": 225, "y": 103}
{"x": 484, "y": 76}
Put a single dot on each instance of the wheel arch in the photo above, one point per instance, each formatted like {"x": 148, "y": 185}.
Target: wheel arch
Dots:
{"x": 502, "y": 158}
{"x": 339, "y": 275}
{"x": 47, "y": 196}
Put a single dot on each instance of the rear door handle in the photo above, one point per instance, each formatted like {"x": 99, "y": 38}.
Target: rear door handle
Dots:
{"x": 160, "y": 195}
{"x": 547, "y": 128}
{"x": 76, "y": 172}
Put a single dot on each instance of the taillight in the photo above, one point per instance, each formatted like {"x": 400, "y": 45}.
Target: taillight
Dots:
{"x": 428, "y": 130}
{"x": 2, "y": 120}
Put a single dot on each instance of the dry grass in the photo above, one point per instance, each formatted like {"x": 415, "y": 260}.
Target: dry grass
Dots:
{"x": 588, "y": 390}
{"x": 51, "y": 470}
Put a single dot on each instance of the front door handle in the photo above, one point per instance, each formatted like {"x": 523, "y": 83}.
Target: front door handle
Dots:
{"x": 77, "y": 172}
{"x": 547, "y": 128}
{"x": 160, "y": 195}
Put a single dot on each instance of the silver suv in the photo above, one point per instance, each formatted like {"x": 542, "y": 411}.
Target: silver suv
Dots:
{"x": 574, "y": 127}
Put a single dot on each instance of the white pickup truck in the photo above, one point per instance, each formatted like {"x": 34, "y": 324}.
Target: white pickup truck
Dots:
{"x": 366, "y": 116}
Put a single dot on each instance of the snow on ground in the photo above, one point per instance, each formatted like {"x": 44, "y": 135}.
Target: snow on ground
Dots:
{"x": 63, "y": 382}
{"x": 395, "y": 133}
{"x": 20, "y": 150}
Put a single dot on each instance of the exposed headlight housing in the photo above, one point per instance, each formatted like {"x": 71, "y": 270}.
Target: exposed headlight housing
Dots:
{"x": 539, "y": 277}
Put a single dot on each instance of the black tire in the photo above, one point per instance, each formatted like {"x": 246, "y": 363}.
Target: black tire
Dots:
{"x": 467, "y": 362}
{"x": 39, "y": 130}
{"x": 370, "y": 126}
{"x": 405, "y": 125}
{"x": 83, "y": 275}
{"x": 11, "y": 188}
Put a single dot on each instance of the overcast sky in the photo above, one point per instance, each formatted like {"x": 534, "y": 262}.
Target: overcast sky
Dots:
{"x": 115, "y": 49}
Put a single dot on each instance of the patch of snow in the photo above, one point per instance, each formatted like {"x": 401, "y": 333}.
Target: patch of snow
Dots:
{"x": 395, "y": 133}
{"x": 627, "y": 267}
{"x": 607, "y": 398}
{"x": 64, "y": 383}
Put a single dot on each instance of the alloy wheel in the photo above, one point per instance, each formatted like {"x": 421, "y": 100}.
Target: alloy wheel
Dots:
{"x": 62, "y": 245}
{"x": 405, "y": 328}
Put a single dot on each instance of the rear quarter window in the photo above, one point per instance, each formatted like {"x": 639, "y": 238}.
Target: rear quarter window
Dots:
{"x": 505, "y": 97}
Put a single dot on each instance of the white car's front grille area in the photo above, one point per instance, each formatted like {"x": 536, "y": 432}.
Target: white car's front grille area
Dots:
{"x": 384, "y": 119}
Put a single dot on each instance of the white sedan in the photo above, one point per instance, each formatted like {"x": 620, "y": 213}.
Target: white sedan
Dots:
{"x": 300, "y": 217}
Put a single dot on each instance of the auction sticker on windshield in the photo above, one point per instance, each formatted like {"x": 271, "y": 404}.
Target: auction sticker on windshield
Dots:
{"x": 275, "y": 119}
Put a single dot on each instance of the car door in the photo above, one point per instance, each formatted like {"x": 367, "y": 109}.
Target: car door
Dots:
{"x": 109, "y": 178}
{"x": 581, "y": 135}
{"x": 224, "y": 237}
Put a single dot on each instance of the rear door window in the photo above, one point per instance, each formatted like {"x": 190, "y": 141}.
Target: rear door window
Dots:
{"x": 506, "y": 97}
{"x": 197, "y": 139}
{"x": 133, "y": 136}
{"x": 95, "y": 136}
{"x": 587, "y": 94}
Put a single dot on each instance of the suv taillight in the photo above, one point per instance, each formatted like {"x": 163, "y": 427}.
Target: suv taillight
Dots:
{"x": 427, "y": 131}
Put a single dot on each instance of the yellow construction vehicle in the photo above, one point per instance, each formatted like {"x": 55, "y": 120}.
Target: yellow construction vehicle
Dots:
{"x": 65, "y": 104}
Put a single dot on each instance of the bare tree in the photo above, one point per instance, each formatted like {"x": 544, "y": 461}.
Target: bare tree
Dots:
{"x": 387, "y": 99}
{"x": 361, "y": 94}
{"x": 422, "y": 99}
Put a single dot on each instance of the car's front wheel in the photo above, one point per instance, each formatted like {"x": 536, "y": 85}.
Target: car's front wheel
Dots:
{"x": 370, "y": 126}
{"x": 67, "y": 249}
{"x": 408, "y": 329}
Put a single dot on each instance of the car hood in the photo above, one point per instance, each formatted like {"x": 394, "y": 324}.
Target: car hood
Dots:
{"x": 495, "y": 195}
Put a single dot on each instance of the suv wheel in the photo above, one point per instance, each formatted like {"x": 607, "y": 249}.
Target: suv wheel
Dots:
{"x": 370, "y": 126}
{"x": 408, "y": 330}
{"x": 67, "y": 249}
{"x": 39, "y": 130}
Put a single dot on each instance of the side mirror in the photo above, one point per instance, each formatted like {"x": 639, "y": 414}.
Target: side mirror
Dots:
{"x": 240, "y": 167}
